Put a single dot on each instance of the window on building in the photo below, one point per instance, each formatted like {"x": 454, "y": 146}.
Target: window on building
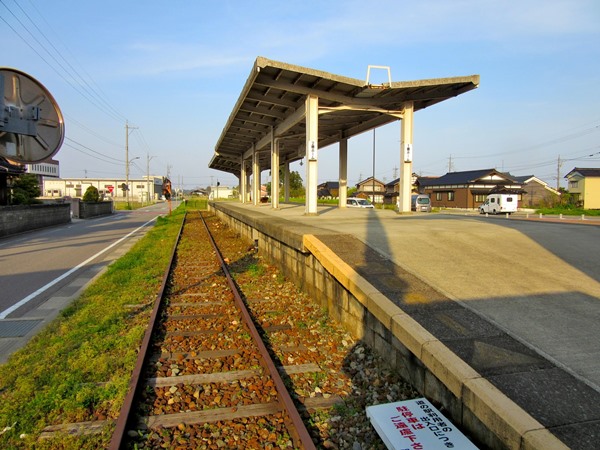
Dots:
{"x": 480, "y": 198}
{"x": 438, "y": 196}
{"x": 450, "y": 196}
{"x": 573, "y": 184}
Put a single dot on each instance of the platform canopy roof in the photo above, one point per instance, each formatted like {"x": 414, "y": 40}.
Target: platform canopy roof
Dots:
{"x": 274, "y": 95}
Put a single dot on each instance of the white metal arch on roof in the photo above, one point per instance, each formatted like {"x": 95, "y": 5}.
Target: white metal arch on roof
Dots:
{"x": 273, "y": 100}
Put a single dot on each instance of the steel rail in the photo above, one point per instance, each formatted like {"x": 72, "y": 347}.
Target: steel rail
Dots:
{"x": 298, "y": 430}
{"x": 116, "y": 441}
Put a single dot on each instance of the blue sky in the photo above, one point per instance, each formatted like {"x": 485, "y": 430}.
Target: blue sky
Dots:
{"x": 175, "y": 69}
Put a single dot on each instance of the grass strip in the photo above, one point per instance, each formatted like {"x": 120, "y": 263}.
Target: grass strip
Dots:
{"x": 78, "y": 368}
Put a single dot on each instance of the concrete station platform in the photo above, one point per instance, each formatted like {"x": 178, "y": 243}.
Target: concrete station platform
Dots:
{"x": 500, "y": 305}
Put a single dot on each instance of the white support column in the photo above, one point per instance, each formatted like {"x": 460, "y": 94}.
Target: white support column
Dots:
{"x": 255, "y": 178}
{"x": 312, "y": 143}
{"x": 274, "y": 171}
{"x": 248, "y": 187}
{"x": 406, "y": 157}
{"x": 286, "y": 181}
{"x": 243, "y": 181}
{"x": 343, "y": 180}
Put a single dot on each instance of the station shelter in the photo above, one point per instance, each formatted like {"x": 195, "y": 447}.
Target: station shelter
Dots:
{"x": 287, "y": 113}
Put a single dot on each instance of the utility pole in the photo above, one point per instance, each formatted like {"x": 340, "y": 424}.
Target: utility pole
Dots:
{"x": 450, "y": 164}
{"x": 373, "y": 167}
{"x": 148, "y": 158}
{"x": 558, "y": 164}
{"x": 127, "y": 128}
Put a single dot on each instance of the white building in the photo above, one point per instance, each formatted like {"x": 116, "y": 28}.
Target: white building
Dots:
{"x": 140, "y": 189}
{"x": 49, "y": 168}
{"x": 221, "y": 192}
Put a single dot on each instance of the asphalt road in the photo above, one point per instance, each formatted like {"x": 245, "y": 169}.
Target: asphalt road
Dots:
{"x": 37, "y": 264}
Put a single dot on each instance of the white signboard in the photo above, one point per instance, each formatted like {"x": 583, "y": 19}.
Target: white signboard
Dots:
{"x": 312, "y": 151}
{"x": 408, "y": 151}
{"x": 416, "y": 425}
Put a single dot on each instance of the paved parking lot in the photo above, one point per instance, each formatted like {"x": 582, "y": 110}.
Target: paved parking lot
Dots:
{"x": 517, "y": 298}
{"x": 539, "y": 281}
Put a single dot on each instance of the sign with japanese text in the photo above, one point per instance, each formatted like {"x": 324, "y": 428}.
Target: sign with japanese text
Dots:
{"x": 416, "y": 425}
{"x": 408, "y": 152}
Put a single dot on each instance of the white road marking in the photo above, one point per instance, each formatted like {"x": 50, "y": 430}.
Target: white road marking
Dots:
{"x": 27, "y": 299}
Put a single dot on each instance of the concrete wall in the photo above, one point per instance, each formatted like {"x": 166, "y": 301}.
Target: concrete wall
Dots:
{"x": 17, "y": 219}
{"x": 470, "y": 401}
{"x": 94, "y": 209}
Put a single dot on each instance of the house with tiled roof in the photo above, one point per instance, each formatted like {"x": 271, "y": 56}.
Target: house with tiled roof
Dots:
{"x": 329, "y": 189}
{"x": 8, "y": 170}
{"x": 584, "y": 185}
{"x": 373, "y": 189}
{"x": 536, "y": 192}
{"x": 392, "y": 189}
{"x": 468, "y": 189}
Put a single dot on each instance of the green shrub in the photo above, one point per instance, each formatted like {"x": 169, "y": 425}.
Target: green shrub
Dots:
{"x": 25, "y": 189}
{"x": 91, "y": 195}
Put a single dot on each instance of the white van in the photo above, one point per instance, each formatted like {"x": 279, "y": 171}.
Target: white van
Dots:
{"x": 356, "y": 202}
{"x": 420, "y": 203}
{"x": 500, "y": 204}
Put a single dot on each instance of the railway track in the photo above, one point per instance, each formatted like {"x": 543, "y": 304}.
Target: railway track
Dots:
{"x": 210, "y": 376}
{"x": 205, "y": 378}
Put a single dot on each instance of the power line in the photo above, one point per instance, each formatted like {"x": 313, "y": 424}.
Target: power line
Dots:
{"x": 80, "y": 89}
{"x": 557, "y": 140}
{"x": 83, "y": 80}
{"x": 92, "y": 132}
{"x": 100, "y": 156}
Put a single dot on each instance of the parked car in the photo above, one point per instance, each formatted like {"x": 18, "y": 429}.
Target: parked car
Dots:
{"x": 420, "y": 203}
{"x": 499, "y": 204}
{"x": 358, "y": 203}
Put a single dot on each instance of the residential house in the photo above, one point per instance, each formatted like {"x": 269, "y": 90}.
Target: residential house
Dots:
{"x": 8, "y": 170}
{"x": 373, "y": 189}
{"x": 536, "y": 192}
{"x": 328, "y": 190}
{"x": 467, "y": 189}
{"x": 392, "y": 189}
{"x": 584, "y": 185}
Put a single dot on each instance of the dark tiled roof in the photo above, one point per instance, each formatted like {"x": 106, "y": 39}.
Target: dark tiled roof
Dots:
{"x": 330, "y": 185}
{"x": 425, "y": 181}
{"x": 465, "y": 177}
{"x": 585, "y": 172}
{"x": 523, "y": 178}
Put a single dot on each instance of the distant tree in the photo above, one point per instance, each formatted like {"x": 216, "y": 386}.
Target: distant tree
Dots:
{"x": 25, "y": 190}
{"x": 296, "y": 187}
{"x": 91, "y": 195}
{"x": 296, "y": 182}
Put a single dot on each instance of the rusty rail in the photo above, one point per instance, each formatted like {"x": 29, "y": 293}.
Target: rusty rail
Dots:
{"x": 297, "y": 429}
{"x": 295, "y": 425}
{"x": 116, "y": 441}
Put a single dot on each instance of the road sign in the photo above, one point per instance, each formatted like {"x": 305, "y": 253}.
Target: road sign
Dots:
{"x": 110, "y": 188}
